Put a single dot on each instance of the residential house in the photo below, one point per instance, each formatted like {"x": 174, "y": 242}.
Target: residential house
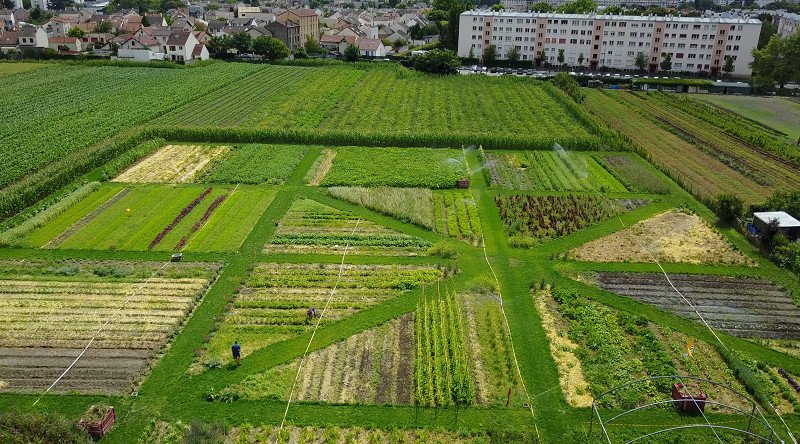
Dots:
{"x": 9, "y": 41}
{"x": 140, "y": 49}
{"x": 33, "y": 37}
{"x": 307, "y": 20}
{"x": 371, "y": 48}
{"x": 58, "y": 26}
{"x": 65, "y": 44}
{"x": 183, "y": 47}
{"x": 286, "y": 31}
{"x": 7, "y": 20}
{"x": 337, "y": 43}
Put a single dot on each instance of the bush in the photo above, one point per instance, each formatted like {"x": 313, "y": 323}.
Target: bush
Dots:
{"x": 443, "y": 249}
{"x": 729, "y": 208}
{"x": 38, "y": 428}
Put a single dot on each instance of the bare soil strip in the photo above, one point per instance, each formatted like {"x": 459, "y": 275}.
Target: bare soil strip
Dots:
{"x": 746, "y": 307}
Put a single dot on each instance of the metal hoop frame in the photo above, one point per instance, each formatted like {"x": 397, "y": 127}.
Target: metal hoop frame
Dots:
{"x": 755, "y": 414}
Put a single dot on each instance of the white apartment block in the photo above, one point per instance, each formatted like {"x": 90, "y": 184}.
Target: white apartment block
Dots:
{"x": 526, "y": 5}
{"x": 613, "y": 41}
{"x": 788, "y": 24}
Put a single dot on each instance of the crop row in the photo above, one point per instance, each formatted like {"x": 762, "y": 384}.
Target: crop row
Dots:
{"x": 442, "y": 373}
{"x": 272, "y": 306}
{"x": 547, "y": 171}
{"x": 705, "y": 176}
{"x": 310, "y": 223}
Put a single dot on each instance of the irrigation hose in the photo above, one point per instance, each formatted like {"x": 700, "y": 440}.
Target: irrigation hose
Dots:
{"x": 314, "y": 332}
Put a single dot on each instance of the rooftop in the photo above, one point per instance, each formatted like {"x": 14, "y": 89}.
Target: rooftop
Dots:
{"x": 594, "y": 16}
{"x": 785, "y": 220}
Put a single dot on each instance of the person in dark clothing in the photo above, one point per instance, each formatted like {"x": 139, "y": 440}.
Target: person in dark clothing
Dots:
{"x": 236, "y": 350}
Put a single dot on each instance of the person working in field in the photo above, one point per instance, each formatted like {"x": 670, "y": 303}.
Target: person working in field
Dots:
{"x": 236, "y": 351}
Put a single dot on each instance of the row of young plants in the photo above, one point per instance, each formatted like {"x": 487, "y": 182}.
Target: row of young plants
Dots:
{"x": 734, "y": 125}
{"x": 442, "y": 373}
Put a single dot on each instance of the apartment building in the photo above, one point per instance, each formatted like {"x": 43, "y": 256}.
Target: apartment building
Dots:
{"x": 787, "y": 23}
{"x": 613, "y": 41}
{"x": 307, "y": 20}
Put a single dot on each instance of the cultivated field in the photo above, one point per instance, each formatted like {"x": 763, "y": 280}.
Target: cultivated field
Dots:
{"x": 779, "y": 113}
{"x": 50, "y": 310}
{"x": 746, "y": 307}
{"x": 673, "y": 236}
{"x": 547, "y": 171}
{"x": 311, "y": 227}
{"x": 272, "y": 305}
{"x": 450, "y": 212}
{"x": 157, "y": 217}
{"x": 173, "y": 164}
{"x": 531, "y": 219}
{"x": 410, "y": 167}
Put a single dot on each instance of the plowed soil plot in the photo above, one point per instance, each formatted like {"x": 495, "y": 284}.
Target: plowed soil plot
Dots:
{"x": 746, "y": 307}
{"x": 50, "y": 311}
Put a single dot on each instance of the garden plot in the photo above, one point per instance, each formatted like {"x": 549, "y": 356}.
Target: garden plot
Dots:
{"x": 450, "y": 212}
{"x": 257, "y": 164}
{"x": 634, "y": 173}
{"x": 597, "y": 348}
{"x": 311, "y": 227}
{"x": 373, "y": 367}
{"x": 158, "y": 217}
{"x": 173, "y": 164}
{"x": 742, "y": 306}
{"x": 50, "y": 311}
{"x": 159, "y": 432}
{"x": 272, "y": 304}
{"x": 547, "y": 171}
{"x": 398, "y": 167}
{"x": 529, "y": 220}
{"x": 674, "y": 236}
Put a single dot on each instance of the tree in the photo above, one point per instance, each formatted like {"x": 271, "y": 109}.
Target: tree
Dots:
{"x": 560, "y": 57}
{"x": 219, "y": 46}
{"x": 299, "y": 53}
{"x": 271, "y": 48}
{"x": 666, "y": 64}
{"x": 76, "y": 32}
{"x": 541, "y": 58}
{"x": 779, "y": 60}
{"x": 513, "y": 55}
{"x": 641, "y": 61}
{"x": 351, "y": 53}
{"x": 312, "y": 46}
{"x": 543, "y": 7}
{"x": 581, "y": 59}
{"x": 489, "y": 54}
{"x": 729, "y": 208}
{"x": 767, "y": 30}
{"x": 437, "y": 61}
{"x": 578, "y": 7}
{"x": 242, "y": 42}
{"x": 103, "y": 27}
{"x": 728, "y": 67}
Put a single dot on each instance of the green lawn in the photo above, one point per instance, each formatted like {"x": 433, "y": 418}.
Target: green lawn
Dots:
{"x": 779, "y": 113}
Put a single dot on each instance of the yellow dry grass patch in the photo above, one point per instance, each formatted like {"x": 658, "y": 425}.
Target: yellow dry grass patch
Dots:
{"x": 570, "y": 373}
{"x": 173, "y": 164}
{"x": 673, "y": 236}
{"x": 324, "y": 165}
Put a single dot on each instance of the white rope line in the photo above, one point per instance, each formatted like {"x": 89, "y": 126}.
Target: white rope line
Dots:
{"x": 314, "y": 332}
{"x": 99, "y": 330}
